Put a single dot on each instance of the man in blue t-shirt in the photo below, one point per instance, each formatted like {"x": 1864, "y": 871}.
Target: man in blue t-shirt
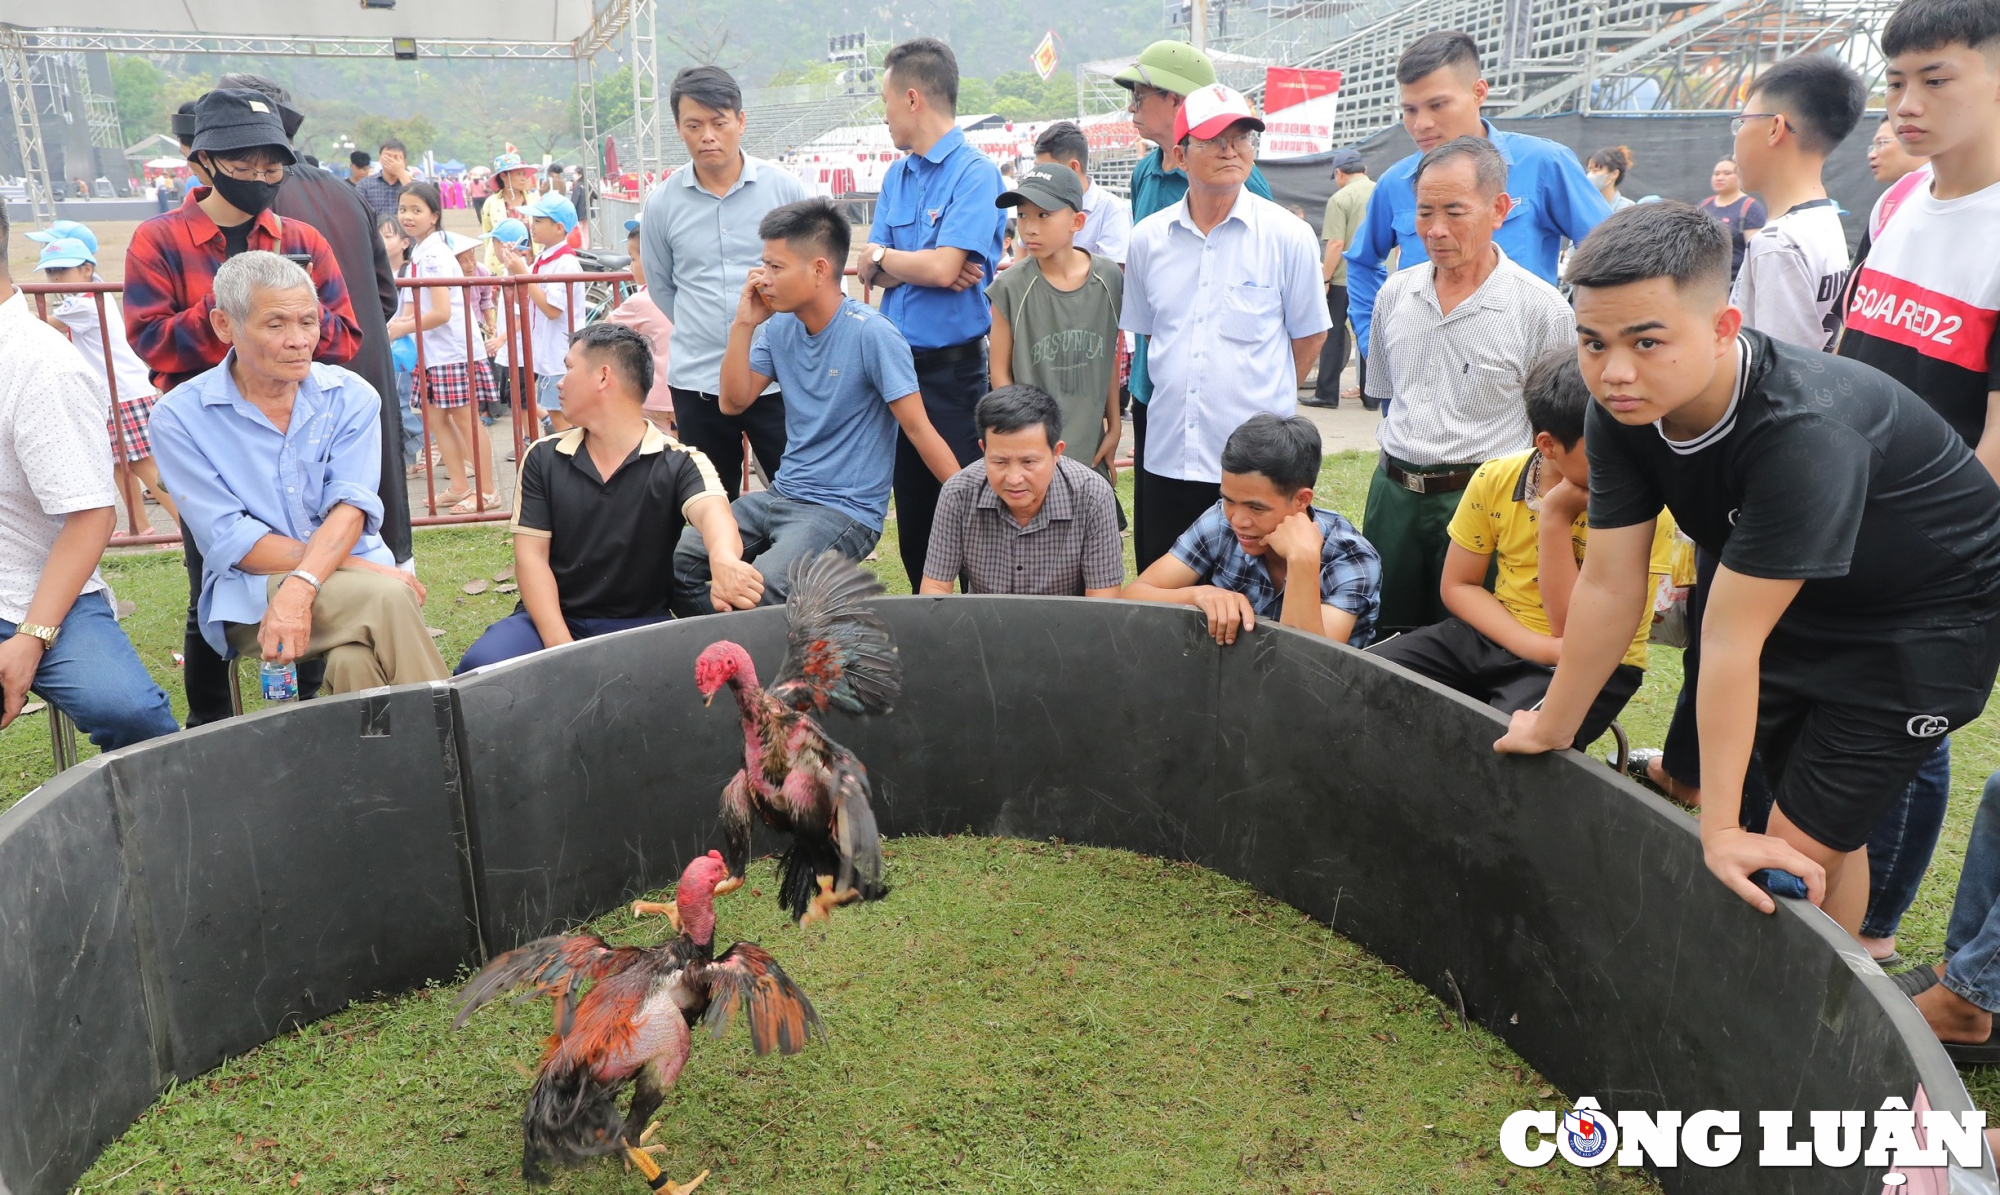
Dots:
{"x": 1441, "y": 91}
{"x": 848, "y": 383}
{"x": 933, "y": 249}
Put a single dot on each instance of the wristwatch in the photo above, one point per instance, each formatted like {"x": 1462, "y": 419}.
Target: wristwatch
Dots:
{"x": 46, "y": 634}
{"x": 876, "y": 256}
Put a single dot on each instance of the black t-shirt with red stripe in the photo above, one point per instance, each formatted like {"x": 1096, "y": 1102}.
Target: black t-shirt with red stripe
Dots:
{"x": 1924, "y": 305}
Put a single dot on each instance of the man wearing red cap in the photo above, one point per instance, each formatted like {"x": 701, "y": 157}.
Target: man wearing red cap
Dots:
{"x": 1226, "y": 284}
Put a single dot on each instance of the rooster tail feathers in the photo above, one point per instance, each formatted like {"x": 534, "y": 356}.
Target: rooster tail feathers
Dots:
{"x": 799, "y": 868}
{"x": 780, "y": 1015}
{"x": 838, "y": 655}
{"x": 552, "y": 966}
{"x": 856, "y": 836}
{"x": 570, "y": 1118}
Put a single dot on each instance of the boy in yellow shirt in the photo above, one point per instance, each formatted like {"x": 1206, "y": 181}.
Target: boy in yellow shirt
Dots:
{"x": 1528, "y": 511}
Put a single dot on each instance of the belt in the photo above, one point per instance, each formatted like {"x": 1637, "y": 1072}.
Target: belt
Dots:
{"x": 951, "y": 353}
{"x": 1449, "y": 482}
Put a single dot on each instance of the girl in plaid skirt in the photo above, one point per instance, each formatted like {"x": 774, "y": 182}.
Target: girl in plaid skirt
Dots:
{"x": 453, "y": 378}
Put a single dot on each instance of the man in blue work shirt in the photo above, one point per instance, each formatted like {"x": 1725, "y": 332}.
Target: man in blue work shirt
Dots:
{"x": 1441, "y": 91}
{"x": 935, "y": 242}
{"x": 1161, "y": 79}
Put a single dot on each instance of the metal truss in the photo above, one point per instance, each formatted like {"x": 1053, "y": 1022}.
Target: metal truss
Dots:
{"x": 27, "y": 125}
{"x": 51, "y": 41}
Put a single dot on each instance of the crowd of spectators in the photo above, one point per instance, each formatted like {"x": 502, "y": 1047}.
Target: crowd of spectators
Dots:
{"x": 1724, "y": 392}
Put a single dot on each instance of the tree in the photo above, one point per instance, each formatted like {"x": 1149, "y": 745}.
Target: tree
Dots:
{"x": 1019, "y": 95}
{"x": 415, "y": 132}
{"x": 140, "y": 90}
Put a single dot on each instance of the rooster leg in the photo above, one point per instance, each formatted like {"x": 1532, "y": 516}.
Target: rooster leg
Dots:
{"x": 654, "y": 908}
{"x": 656, "y": 1178}
{"x": 827, "y": 901}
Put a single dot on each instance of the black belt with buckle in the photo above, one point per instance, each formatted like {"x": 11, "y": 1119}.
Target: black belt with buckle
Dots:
{"x": 1449, "y": 482}
{"x": 950, "y": 353}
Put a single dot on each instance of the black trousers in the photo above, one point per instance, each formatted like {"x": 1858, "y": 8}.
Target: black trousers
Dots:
{"x": 1333, "y": 354}
{"x": 1458, "y": 657}
{"x": 951, "y": 389}
{"x": 1163, "y": 508}
{"x": 204, "y": 673}
{"x": 701, "y": 425}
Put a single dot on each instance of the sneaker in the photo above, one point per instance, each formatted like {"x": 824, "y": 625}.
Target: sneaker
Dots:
{"x": 1317, "y": 401}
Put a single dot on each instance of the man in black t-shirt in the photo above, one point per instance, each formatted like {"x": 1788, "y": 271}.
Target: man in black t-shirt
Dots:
{"x": 600, "y": 507}
{"x": 1852, "y": 618}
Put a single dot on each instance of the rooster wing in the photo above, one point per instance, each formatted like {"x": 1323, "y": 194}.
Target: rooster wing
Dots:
{"x": 838, "y": 654}
{"x": 780, "y": 1015}
{"x": 554, "y": 966}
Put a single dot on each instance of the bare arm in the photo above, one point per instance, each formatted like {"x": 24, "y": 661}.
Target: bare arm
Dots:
{"x": 1000, "y": 351}
{"x": 732, "y": 585}
{"x": 1305, "y": 354}
{"x": 538, "y": 589}
{"x": 286, "y": 631}
{"x": 916, "y": 424}
{"x": 1330, "y": 260}
{"x": 943, "y": 267}
{"x": 1989, "y": 437}
{"x": 939, "y": 588}
{"x": 1466, "y": 596}
{"x": 1169, "y": 579}
{"x": 72, "y": 558}
{"x": 740, "y": 384}
{"x": 1555, "y": 557}
{"x": 1114, "y": 430}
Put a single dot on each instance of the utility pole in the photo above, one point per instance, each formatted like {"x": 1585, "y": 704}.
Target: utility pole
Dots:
{"x": 1198, "y": 24}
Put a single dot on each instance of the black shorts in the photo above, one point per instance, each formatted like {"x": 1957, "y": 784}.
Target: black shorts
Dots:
{"x": 1843, "y": 726}
{"x": 1458, "y": 657}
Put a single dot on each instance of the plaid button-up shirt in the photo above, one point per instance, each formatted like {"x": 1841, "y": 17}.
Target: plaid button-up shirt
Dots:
{"x": 1350, "y": 571}
{"x": 170, "y": 290}
{"x": 1072, "y": 543}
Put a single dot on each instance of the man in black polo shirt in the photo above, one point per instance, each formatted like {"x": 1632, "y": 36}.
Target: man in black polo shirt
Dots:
{"x": 600, "y": 507}
{"x": 1852, "y": 619}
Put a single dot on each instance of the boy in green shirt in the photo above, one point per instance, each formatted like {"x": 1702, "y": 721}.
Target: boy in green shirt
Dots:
{"x": 1055, "y": 315}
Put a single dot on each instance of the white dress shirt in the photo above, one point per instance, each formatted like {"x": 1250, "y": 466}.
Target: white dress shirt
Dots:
{"x": 1107, "y": 224}
{"x": 1222, "y": 310}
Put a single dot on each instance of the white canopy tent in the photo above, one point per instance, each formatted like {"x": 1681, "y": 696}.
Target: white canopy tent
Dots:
{"x": 577, "y": 30}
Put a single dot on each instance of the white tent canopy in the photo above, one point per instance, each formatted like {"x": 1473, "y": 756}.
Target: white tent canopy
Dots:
{"x": 435, "y": 20}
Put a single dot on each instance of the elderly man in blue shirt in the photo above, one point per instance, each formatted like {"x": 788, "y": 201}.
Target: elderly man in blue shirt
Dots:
{"x": 276, "y": 462}
{"x": 1441, "y": 91}
{"x": 699, "y": 240}
{"x": 935, "y": 242}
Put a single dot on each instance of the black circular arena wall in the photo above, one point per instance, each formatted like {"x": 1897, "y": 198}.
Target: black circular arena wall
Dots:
{"x": 165, "y": 907}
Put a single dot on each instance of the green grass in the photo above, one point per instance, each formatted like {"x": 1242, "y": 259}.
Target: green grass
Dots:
{"x": 448, "y": 558}
{"x": 1015, "y": 1016}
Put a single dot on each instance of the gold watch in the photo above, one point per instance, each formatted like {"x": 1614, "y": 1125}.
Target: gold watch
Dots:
{"x": 46, "y": 634}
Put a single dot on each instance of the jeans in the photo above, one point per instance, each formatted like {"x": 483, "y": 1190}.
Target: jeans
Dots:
{"x": 1972, "y": 938}
{"x": 515, "y": 635}
{"x": 93, "y": 675}
{"x": 413, "y": 421}
{"x": 777, "y": 532}
{"x": 1899, "y": 849}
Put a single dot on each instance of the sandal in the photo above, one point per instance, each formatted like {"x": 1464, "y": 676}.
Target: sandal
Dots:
{"x": 453, "y": 497}
{"x": 1635, "y": 767}
{"x": 466, "y": 505}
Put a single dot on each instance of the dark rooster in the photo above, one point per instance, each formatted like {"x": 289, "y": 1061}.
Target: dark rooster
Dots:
{"x": 838, "y": 656}
{"x": 633, "y": 1025}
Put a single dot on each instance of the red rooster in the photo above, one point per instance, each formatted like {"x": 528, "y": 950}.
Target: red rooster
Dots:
{"x": 838, "y": 656}
{"x": 633, "y": 1025}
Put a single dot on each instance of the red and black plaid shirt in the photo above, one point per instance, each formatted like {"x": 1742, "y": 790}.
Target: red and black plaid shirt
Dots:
{"x": 170, "y": 289}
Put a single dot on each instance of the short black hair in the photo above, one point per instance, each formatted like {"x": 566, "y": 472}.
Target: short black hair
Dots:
{"x": 309, "y": 159}
{"x": 1557, "y": 397}
{"x": 929, "y": 66}
{"x": 709, "y": 86}
{"x": 631, "y": 354}
{"x": 1934, "y": 24}
{"x": 1434, "y": 51}
{"x": 1822, "y": 97}
{"x": 1668, "y": 239}
{"x": 1285, "y": 449}
{"x": 1064, "y": 142}
{"x": 392, "y": 143}
{"x": 429, "y": 195}
{"x": 360, "y": 158}
{"x": 816, "y": 223}
{"x": 1488, "y": 167}
{"x": 1615, "y": 158}
{"x": 1016, "y": 408}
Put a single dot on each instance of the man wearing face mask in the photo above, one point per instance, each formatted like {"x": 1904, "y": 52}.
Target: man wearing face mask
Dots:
{"x": 240, "y": 153}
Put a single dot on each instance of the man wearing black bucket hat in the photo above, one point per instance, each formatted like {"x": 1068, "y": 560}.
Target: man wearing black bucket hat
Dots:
{"x": 241, "y": 152}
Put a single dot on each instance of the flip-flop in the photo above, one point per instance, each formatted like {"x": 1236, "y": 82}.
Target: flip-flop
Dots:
{"x": 1985, "y": 1053}
{"x": 1915, "y": 981}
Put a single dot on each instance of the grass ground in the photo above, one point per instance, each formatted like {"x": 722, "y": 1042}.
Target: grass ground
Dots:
{"x": 1015, "y": 1017}
{"x": 449, "y": 558}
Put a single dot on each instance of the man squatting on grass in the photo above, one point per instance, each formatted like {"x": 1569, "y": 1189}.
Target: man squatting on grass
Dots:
{"x": 1852, "y": 617}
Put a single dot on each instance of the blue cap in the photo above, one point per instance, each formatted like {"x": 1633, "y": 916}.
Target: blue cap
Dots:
{"x": 631, "y": 226}
{"x": 74, "y": 230}
{"x": 552, "y": 206}
{"x": 509, "y": 231}
{"x": 61, "y": 254}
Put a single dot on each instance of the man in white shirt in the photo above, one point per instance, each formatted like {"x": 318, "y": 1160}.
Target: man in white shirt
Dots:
{"x": 1107, "y": 219}
{"x": 58, "y": 635}
{"x": 1795, "y": 270}
{"x": 1453, "y": 339}
{"x": 1227, "y": 286}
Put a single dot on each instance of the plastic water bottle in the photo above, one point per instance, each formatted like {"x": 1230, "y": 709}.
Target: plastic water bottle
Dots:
{"x": 280, "y": 682}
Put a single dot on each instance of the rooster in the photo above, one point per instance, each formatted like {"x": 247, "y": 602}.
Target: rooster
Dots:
{"x": 838, "y": 656}
{"x": 634, "y": 1024}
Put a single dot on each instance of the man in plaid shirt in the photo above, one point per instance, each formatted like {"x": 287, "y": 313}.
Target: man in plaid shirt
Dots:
{"x": 1235, "y": 563}
{"x": 241, "y": 153}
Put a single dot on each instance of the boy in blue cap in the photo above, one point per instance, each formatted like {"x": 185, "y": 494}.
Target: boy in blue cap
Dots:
{"x": 550, "y": 218}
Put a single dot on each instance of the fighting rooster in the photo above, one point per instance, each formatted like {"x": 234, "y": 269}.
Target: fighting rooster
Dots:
{"x": 838, "y": 656}
{"x": 633, "y": 1025}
